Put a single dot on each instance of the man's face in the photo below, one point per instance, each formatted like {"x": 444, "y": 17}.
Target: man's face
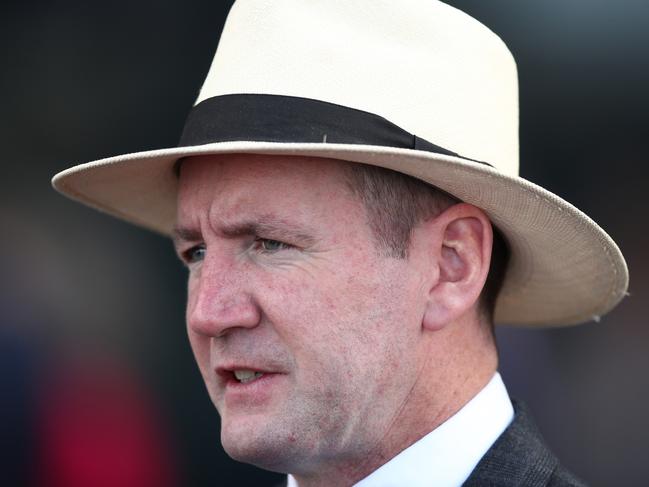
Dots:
{"x": 285, "y": 282}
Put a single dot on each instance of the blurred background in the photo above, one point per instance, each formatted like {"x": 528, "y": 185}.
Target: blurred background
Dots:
{"x": 97, "y": 382}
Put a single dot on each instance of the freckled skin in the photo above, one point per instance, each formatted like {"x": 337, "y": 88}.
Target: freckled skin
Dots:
{"x": 340, "y": 322}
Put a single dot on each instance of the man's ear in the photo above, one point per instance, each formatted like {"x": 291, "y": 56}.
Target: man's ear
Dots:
{"x": 460, "y": 241}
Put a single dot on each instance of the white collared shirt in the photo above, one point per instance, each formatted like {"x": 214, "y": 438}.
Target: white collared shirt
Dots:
{"x": 446, "y": 456}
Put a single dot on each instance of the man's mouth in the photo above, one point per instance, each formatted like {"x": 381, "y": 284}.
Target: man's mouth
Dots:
{"x": 244, "y": 376}
{"x": 246, "y": 385}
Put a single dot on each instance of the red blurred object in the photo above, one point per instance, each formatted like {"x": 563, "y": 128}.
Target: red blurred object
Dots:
{"x": 98, "y": 428}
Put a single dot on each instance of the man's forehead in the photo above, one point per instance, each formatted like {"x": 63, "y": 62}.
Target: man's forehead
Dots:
{"x": 236, "y": 187}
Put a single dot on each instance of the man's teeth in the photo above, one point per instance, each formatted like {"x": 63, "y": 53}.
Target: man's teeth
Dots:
{"x": 244, "y": 376}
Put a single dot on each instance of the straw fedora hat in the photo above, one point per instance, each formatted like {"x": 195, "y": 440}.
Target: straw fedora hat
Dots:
{"x": 415, "y": 86}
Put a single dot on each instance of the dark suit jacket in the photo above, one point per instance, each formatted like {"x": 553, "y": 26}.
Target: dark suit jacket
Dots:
{"x": 519, "y": 458}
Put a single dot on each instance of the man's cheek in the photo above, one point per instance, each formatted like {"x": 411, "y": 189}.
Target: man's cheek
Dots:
{"x": 286, "y": 294}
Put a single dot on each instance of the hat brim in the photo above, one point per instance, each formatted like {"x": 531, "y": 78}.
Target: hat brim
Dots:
{"x": 564, "y": 269}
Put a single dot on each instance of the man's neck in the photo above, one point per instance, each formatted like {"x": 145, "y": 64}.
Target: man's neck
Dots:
{"x": 446, "y": 456}
{"x": 408, "y": 427}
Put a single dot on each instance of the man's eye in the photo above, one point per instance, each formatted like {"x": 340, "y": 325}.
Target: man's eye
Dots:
{"x": 270, "y": 246}
{"x": 195, "y": 254}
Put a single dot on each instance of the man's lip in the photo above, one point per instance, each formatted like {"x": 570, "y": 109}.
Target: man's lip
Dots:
{"x": 225, "y": 373}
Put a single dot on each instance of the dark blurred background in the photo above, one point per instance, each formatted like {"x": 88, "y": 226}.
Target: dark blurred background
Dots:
{"x": 97, "y": 381}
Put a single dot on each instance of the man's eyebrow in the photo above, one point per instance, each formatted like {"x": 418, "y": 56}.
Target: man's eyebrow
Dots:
{"x": 265, "y": 226}
{"x": 269, "y": 227}
{"x": 186, "y": 234}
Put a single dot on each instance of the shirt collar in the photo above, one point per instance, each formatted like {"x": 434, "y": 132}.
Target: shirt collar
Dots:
{"x": 446, "y": 456}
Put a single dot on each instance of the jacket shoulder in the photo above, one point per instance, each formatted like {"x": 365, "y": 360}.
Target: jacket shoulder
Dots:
{"x": 520, "y": 457}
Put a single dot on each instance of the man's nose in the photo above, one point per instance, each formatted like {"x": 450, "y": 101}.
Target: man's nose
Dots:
{"x": 219, "y": 299}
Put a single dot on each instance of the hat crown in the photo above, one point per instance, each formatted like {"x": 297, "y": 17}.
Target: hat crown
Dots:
{"x": 423, "y": 65}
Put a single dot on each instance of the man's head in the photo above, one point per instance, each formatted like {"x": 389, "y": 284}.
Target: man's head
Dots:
{"x": 414, "y": 86}
{"x": 363, "y": 350}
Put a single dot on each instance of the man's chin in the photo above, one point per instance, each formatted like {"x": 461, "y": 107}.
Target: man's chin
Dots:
{"x": 260, "y": 445}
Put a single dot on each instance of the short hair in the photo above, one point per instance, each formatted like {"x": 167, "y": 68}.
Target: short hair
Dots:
{"x": 396, "y": 203}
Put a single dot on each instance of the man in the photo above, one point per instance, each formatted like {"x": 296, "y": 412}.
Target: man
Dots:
{"x": 345, "y": 197}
